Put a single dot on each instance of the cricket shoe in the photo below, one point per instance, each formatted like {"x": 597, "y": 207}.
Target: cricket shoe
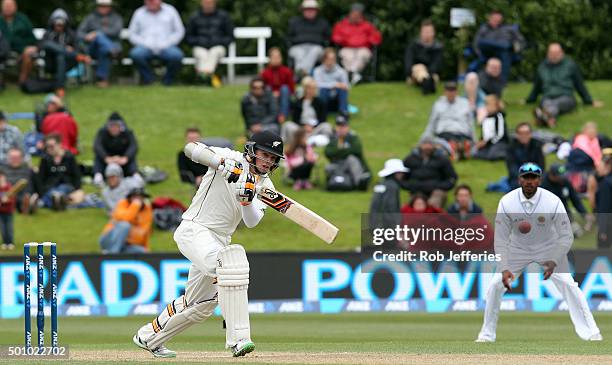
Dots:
{"x": 597, "y": 337}
{"x": 161, "y": 351}
{"x": 242, "y": 348}
{"x": 484, "y": 340}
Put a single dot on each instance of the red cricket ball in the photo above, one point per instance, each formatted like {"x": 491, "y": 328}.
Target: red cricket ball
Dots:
{"x": 524, "y": 227}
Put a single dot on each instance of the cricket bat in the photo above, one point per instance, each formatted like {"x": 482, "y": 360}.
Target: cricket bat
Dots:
{"x": 299, "y": 214}
{"x": 15, "y": 189}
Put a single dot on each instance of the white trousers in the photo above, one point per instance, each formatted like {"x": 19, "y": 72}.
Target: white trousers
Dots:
{"x": 208, "y": 59}
{"x": 580, "y": 313}
{"x": 355, "y": 59}
{"x": 200, "y": 246}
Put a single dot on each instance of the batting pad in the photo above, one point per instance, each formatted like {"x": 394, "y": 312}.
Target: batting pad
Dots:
{"x": 233, "y": 282}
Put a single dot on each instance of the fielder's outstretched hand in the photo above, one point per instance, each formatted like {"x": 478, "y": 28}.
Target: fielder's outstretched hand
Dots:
{"x": 507, "y": 277}
{"x": 549, "y": 267}
{"x": 245, "y": 188}
{"x": 230, "y": 170}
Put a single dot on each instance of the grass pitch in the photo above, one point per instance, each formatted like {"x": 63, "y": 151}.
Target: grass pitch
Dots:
{"x": 344, "y": 339}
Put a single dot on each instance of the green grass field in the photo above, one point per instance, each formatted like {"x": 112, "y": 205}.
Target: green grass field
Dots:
{"x": 346, "y": 338}
{"x": 390, "y": 122}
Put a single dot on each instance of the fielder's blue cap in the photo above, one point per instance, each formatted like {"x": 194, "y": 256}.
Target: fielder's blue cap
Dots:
{"x": 530, "y": 168}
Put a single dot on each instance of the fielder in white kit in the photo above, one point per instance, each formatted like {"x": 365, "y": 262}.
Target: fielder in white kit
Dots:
{"x": 219, "y": 271}
{"x": 532, "y": 225}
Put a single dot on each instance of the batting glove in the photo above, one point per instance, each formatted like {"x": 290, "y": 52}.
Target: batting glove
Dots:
{"x": 245, "y": 189}
{"x": 230, "y": 170}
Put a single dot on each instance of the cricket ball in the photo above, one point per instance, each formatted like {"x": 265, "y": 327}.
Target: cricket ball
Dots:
{"x": 524, "y": 227}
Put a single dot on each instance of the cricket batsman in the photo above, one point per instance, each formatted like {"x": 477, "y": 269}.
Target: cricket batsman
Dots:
{"x": 532, "y": 225}
{"x": 219, "y": 272}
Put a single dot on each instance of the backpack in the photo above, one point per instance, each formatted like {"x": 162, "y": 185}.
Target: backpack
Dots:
{"x": 167, "y": 213}
{"x": 36, "y": 86}
{"x": 339, "y": 180}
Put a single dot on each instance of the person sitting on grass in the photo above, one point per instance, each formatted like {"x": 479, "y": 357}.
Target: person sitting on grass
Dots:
{"x": 310, "y": 113}
{"x": 556, "y": 79}
{"x": 7, "y": 209}
{"x": 491, "y": 79}
{"x": 278, "y": 78}
{"x": 58, "y": 120}
{"x": 475, "y": 96}
{"x": 345, "y": 153}
{"x": 189, "y": 171}
{"x": 115, "y": 143}
{"x": 300, "y": 158}
{"x": 10, "y": 137}
{"x": 423, "y": 59}
{"x": 524, "y": 148}
{"x": 452, "y": 121}
{"x": 59, "y": 175}
{"x": 117, "y": 187}
{"x": 431, "y": 173}
{"x": 333, "y": 83}
{"x": 493, "y": 143}
{"x": 259, "y": 109}
{"x": 130, "y": 226}
{"x": 464, "y": 205}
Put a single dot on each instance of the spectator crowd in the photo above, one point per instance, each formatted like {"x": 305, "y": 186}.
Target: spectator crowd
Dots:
{"x": 295, "y": 100}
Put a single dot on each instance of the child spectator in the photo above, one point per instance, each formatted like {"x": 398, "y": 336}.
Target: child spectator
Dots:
{"x": 333, "y": 83}
{"x": 17, "y": 169}
{"x": 58, "y": 120}
{"x": 494, "y": 138}
{"x": 418, "y": 204}
{"x": 7, "y": 208}
{"x": 130, "y": 226}
{"x": 300, "y": 158}
{"x": 279, "y": 79}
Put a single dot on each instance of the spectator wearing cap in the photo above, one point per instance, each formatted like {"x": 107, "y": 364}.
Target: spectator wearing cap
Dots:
{"x": 100, "y": 31}
{"x": 307, "y": 35}
{"x": 385, "y": 203}
{"x": 115, "y": 143}
{"x": 556, "y": 79}
{"x": 59, "y": 175}
{"x": 209, "y": 31}
{"x": 61, "y": 46}
{"x": 189, "y": 171}
{"x": 491, "y": 79}
{"x": 452, "y": 120}
{"x": 524, "y": 148}
{"x": 603, "y": 202}
{"x": 10, "y": 137}
{"x": 16, "y": 169}
{"x": 309, "y": 112}
{"x": 259, "y": 109}
{"x": 17, "y": 28}
{"x": 156, "y": 29}
{"x": 556, "y": 182}
{"x": 356, "y": 37}
{"x": 333, "y": 83}
{"x": 345, "y": 153}
{"x": 431, "y": 173}
{"x": 117, "y": 186}
{"x": 278, "y": 78}
{"x": 300, "y": 159}
{"x": 130, "y": 226}
{"x": 423, "y": 59}
{"x": 496, "y": 39}
{"x": 58, "y": 120}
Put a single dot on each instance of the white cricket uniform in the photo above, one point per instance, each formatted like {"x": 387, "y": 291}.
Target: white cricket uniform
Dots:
{"x": 207, "y": 226}
{"x": 549, "y": 239}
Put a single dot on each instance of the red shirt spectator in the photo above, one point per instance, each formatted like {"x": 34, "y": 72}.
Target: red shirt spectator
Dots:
{"x": 276, "y": 76}
{"x": 8, "y": 206}
{"x": 356, "y": 34}
{"x": 63, "y": 124}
